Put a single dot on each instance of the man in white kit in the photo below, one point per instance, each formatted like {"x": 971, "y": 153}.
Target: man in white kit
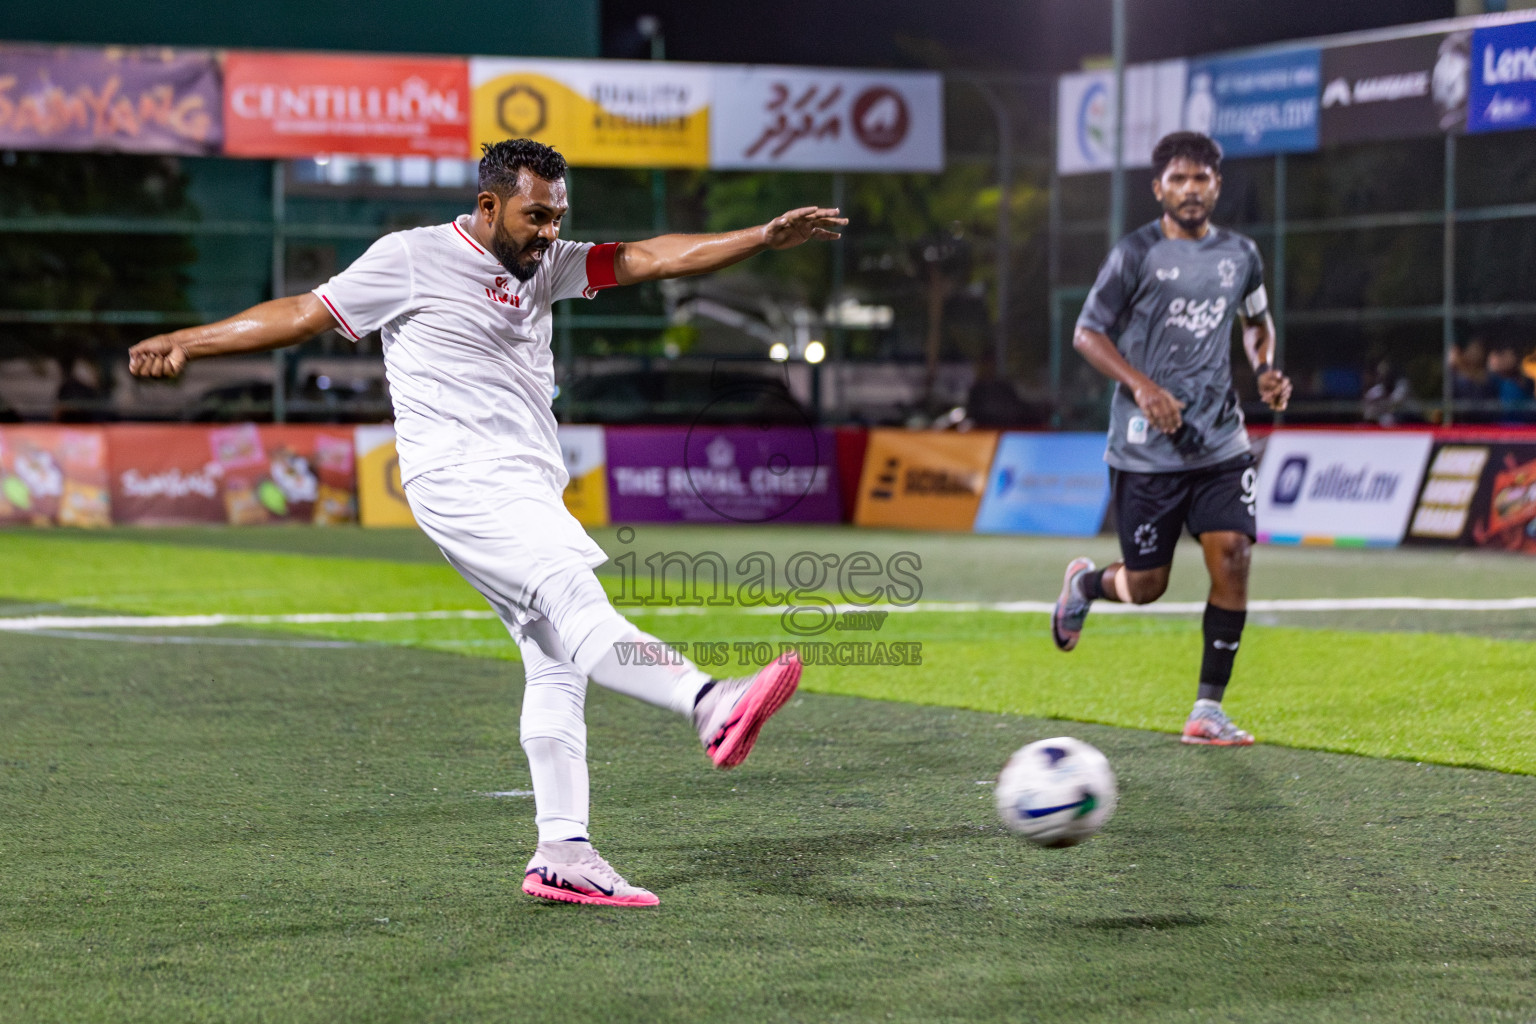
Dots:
{"x": 464, "y": 310}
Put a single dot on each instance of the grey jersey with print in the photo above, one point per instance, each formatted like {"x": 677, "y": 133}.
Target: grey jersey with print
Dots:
{"x": 1168, "y": 304}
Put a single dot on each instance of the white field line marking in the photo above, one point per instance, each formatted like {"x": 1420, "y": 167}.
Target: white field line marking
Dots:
{"x": 24, "y": 624}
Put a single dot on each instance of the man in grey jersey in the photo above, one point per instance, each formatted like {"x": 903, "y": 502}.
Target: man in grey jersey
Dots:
{"x": 1159, "y": 323}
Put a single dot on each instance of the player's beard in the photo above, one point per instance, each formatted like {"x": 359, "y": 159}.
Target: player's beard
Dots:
{"x": 1192, "y": 217}
{"x": 520, "y": 262}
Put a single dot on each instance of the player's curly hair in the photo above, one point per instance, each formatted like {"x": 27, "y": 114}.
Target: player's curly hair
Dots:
{"x": 502, "y": 160}
{"x": 1194, "y": 146}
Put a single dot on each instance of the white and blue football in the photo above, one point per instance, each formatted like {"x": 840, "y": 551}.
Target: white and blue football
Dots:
{"x": 1056, "y": 792}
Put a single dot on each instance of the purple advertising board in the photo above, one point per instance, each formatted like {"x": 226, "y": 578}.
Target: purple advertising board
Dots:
{"x": 706, "y": 474}
{"x": 133, "y": 100}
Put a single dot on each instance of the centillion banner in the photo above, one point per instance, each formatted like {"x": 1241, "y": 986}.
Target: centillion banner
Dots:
{"x": 610, "y": 113}
{"x": 924, "y": 480}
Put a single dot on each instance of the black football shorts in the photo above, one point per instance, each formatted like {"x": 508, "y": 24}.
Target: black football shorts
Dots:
{"x": 1152, "y": 508}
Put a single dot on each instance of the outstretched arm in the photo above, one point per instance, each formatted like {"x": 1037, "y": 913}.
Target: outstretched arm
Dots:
{"x": 1259, "y": 343}
{"x": 274, "y": 324}
{"x": 682, "y": 255}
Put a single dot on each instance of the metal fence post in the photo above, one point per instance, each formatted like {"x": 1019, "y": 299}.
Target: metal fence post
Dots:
{"x": 1448, "y": 284}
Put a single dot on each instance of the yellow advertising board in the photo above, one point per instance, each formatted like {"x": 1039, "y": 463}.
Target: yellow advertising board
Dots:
{"x": 585, "y": 452}
{"x": 380, "y": 498}
{"x": 924, "y": 480}
{"x": 610, "y": 113}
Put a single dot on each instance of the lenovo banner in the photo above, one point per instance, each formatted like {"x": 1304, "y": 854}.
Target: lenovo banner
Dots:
{"x": 1053, "y": 484}
{"x": 54, "y": 476}
{"x": 1397, "y": 89}
{"x": 925, "y": 480}
{"x": 1255, "y": 106}
{"x": 722, "y": 474}
{"x": 1085, "y": 115}
{"x": 130, "y": 100}
{"x": 1343, "y": 488}
{"x": 609, "y": 113}
{"x": 301, "y": 105}
{"x": 1479, "y": 495}
{"x": 1503, "y": 78}
{"x": 827, "y": 119}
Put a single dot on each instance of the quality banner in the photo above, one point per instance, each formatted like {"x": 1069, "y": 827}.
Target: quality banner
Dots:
{"x": 1052, "y": 484}
{"x": 1085, "y": 115}
{"x": 722, "y": 474}
{"x": 54, "y": 476}
{"x": 126, "y": 99}
{"x": 827, "y": 119}
{"x": 924, "y": 480}
{"x": 1255, "y": 106}
{"x": 1479, "y": 495}
{"x": 241, "y": 474}
{"x": 302, "y": 105}
{"x": 1343, "y": 488}
{"x": 610, "y": 113}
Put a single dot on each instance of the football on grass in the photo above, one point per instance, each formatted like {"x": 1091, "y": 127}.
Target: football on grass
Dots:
{"x": 1056, "y": 792}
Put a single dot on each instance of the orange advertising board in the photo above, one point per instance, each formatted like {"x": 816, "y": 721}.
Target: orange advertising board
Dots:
{"x": 299, "y": 105}
{"x": 924, "y": 480}
{"x": 54, "y": 476}
{"x": 242, "y": 474}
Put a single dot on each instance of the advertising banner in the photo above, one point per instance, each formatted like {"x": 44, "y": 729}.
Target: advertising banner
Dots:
{"x": 302, "y": 105}
{"x": 129, "y": 100}
{"x": 1479, "y": 495}
{"x": 1085, "y": 115}
{"x": 241, "y": 474}
{"x": 1053, "y": 484}
{"x": 1396, "y": 89}
{"x": 54, "y": 476}
{"x": 610, "y": 113}
{"x": 1344, "y": 488}
{"x": 925, "y": 480}
{"x": 1255, "y": 106}
{"x": 586, "y": 460}
{"x": 1503, "y": 78}
{"x": 827, "y": 119}
{"x": 380, "y": 498}
{"x": 722, "y": 474}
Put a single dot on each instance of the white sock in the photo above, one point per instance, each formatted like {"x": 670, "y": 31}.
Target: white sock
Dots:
{"x": 553, "y": 730}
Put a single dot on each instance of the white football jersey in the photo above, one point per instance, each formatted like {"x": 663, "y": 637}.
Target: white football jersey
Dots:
{"x": 466, "y": 344}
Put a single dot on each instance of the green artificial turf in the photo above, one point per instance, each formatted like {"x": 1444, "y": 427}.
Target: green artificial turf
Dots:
{"x": 1447, "y": 698}
{"x": 205, "y": 832}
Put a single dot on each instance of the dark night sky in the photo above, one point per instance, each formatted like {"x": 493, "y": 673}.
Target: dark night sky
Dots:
{"x": 1039, "y": 36}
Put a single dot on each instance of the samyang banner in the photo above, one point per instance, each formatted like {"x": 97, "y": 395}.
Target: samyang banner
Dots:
{"x": 827, "y": 119}
{"x": 1396, "y": 89}
{"x": 1255, "y": 106}
{"x": 132, "y": 100}
{"x": 598, "y": 113}
{"x": 303, "y": 104}
{"x": 54, "y": 476}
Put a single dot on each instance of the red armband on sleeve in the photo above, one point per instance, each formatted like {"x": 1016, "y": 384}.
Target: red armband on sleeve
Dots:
{"x": 602, "y": 268}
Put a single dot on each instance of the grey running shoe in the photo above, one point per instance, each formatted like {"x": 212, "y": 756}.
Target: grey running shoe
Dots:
{"x": 730, "y": 715}
{"x": 1071, "y": 607}
{"x": 1209, "y": 725}
{"x": 572, "y": 872}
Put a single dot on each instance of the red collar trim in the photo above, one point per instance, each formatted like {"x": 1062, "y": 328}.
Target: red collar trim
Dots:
{"x": 472, "y": 244}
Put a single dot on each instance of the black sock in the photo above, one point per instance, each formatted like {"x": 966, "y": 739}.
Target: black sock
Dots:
{"x": 1223, "y": 633}
{"x": 1091, "y": 585}
{"x": 703, "y": 690}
